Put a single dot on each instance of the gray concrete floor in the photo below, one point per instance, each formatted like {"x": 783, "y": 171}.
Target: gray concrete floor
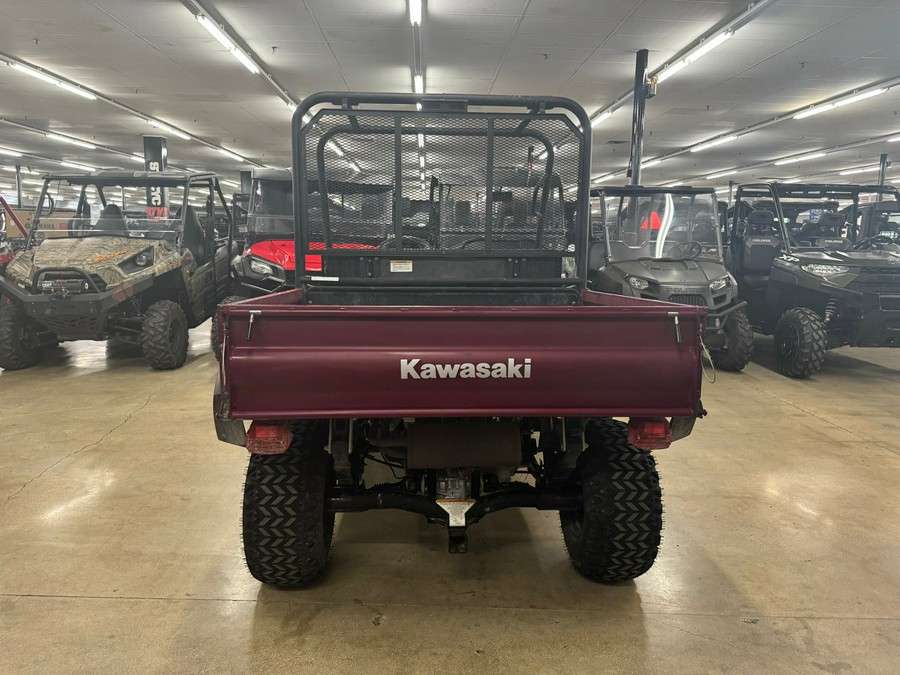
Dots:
{"x": 120, "y": 543}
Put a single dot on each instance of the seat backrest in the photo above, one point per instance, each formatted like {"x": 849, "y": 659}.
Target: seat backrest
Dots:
{"x": 761, "y": 223}
{"x": 831, "y": 224}
{"x": 111, "y": 220}
{"x": 194, "y": 236}
{"x": 761, "y": 244}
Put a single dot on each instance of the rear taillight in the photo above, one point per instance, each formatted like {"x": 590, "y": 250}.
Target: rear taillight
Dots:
{"x": 649, "y": 433}
{"x": 313, "y": 263}
{"x": 268, "y": 438}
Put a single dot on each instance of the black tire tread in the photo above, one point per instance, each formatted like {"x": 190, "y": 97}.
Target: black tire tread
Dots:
{"x": 616, "y": 536}
{"x": 286, "y": 533}
{"x": 13, "y": 354}
{"x": 813, "y": 342}
{"x": 739, "y": 341}
{"x": 160, "y": 353}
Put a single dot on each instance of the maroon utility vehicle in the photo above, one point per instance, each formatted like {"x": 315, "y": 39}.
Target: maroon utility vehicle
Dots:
{"x": 463, "y": 350}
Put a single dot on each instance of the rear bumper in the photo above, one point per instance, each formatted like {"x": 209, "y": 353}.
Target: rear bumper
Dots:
{"x": 80, "y": 316}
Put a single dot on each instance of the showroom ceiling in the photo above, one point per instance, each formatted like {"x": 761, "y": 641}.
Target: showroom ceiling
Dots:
{"x": 153, "y": 59}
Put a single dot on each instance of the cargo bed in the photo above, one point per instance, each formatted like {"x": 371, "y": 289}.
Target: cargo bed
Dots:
{"x": 607, "y": 356}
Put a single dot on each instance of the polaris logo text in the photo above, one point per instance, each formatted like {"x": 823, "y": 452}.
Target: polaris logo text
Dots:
{"x": 414, "y": 369}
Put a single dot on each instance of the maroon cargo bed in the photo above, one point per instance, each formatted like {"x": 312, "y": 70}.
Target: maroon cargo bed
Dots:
{"x": 610, "y": 356}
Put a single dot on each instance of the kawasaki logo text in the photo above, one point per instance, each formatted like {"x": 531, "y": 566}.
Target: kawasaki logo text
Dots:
{"x": 414, "y": 369}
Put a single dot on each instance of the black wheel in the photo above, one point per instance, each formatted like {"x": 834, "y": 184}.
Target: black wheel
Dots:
{"x": 738, "y": 343}
{"x": 616, "y": 534}
{"x": 287, "y": 531}
{"x": 18, "y": 346}
{"x": 214, "y": 328}
{"x": 164, "y": 335}
{"x": 800, "y": 342}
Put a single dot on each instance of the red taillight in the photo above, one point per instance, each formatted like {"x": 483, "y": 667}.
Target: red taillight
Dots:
{"x": 268, "y": 438}
{"x": 650, "y": 433}
{"x": 313, "y": 263}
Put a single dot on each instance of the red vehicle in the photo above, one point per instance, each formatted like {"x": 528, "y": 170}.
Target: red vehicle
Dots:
{"x": 460, "y": 351}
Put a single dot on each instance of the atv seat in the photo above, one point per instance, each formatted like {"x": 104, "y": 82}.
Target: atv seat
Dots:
{"x": 828, "y": 226}
{"x": 111, "y": 220}
{"x": 761, "y": 246}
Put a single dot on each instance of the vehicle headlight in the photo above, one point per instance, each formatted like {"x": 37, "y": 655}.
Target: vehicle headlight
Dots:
{"x": 825, "y": 270}
{"x": 719, "y": 284}
{"x": 262, "y": 268}
{"x": 138, "y": 261}
{"x": 638, "y": 283}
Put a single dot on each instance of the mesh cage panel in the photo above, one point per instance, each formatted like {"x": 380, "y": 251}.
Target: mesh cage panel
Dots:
{"x": 484, "y": 183}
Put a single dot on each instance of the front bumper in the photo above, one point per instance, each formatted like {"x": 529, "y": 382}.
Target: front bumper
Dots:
{"x": 80, "y": 316}
{"x": 878, "y": 328}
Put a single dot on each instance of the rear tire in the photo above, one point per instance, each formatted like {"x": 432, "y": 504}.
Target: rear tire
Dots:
{"x": 800, "y": 342}
{"x": 214, "y": 329}
{"x": 616, "y": 534}
{"x": 18, "y": 348}
{"x": 287, "y": 532}
{"x": 738, "y": 343}
{"x": 164, "y": 335}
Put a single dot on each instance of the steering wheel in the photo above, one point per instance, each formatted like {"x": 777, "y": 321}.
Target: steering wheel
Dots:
{"x": 867, "y": 243}
{"x": 688, "y": 249}
{"x": 416, "y": 243}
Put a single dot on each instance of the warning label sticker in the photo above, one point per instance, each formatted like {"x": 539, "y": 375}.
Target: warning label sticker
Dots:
{"x": 401, "y": 265}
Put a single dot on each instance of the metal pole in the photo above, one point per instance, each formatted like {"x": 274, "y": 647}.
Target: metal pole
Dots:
{"x": 883, "y": 165}
{"x": 19, "y": 185}
{"x": 637, "y": 117}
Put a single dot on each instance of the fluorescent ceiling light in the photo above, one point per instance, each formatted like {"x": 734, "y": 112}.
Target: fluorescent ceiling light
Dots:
{"x": 650, "y": 162}
{"x": 170, "y": 130}
{"x": 713, "y": 176}
{"x": 865, "y": 169}
{"x": 49, "y": 79}
{"x": 216, "y": 32}
{"x": 713, "y": 143}
{"x": 421, "y": 140}
{"x": 137, "y": 158}
{"x": 23, "y": 170}
{"x": 353, "y": 165}
{"x": 601, "y": 118}
{"x": 802, "y": 158}
{"x": 75, "y": 165}
{"x": 415, "y": 12}
{"x": 860, "y": 97}
{"x": 226, "y": 42}
{"x": 230, "y": 182}
{"x": 11, "y": 153}
{"x": 669, "y": 71}
{"x": 814, "y": 111}
{"x": 71, "y": 141}
{"x": 418, "y": 84}
{"x": 245, "y": 60}
{"x": 603, "y": 179}
{"x": 422, "y": 161}
{"x": 229, "y": 153}
{"x": 723, "y": 189}
{"x": 895, "y": 139}
{"x": 675, "y": 184}
{"x": 707, "y": 46}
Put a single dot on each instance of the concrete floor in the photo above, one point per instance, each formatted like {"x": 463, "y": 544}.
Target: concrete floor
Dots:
{"x": 120, "y": 543}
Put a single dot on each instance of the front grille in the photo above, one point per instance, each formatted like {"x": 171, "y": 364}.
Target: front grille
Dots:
{"x": 693, "y": 300}
{"x": 879, "y": 286}
{"x": 70, "y": 283}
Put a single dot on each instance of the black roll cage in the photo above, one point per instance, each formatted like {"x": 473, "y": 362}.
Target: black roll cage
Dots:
{"x": 778, "y": 191}
{"x": 445, "y": 106}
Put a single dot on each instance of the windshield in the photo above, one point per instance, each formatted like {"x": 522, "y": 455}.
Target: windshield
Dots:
{"x": 660, "y": 225}
{"x": 122, "y": 210}
{"x": 271, "y": 210}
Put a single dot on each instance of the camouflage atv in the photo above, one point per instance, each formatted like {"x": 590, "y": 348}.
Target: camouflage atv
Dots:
{"x": 132, "y": 272}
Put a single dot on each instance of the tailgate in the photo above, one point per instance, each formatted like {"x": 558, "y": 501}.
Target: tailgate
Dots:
{"x": 608, "y": 357}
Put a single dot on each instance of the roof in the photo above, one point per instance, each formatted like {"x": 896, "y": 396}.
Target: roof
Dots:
{"x": 620, "y": 190}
